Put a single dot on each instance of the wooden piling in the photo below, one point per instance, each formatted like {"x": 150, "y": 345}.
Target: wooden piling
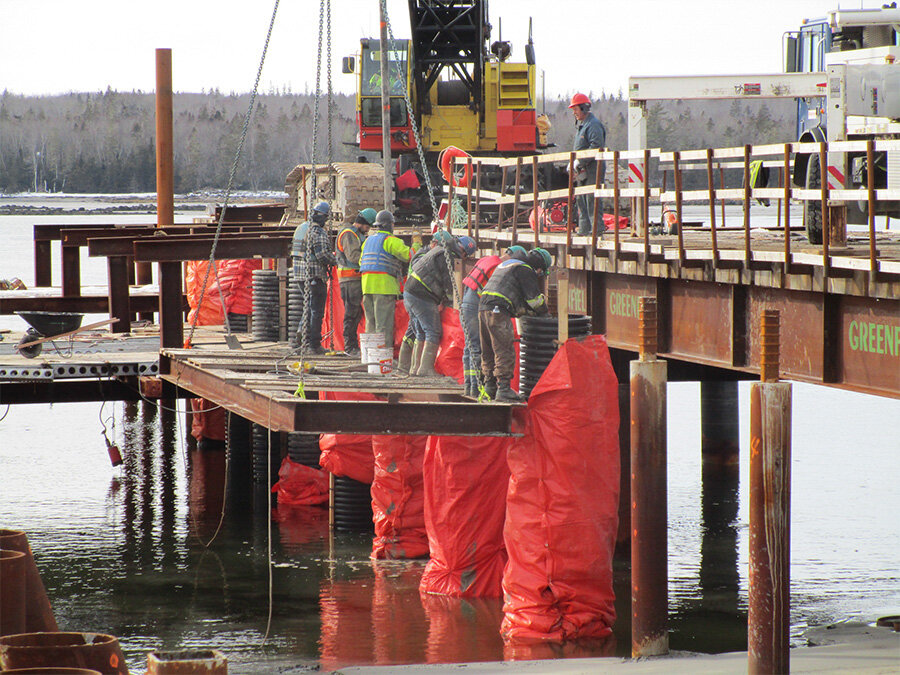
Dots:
{"x": 768, "y": 618}
{"x": 649, "y": 548}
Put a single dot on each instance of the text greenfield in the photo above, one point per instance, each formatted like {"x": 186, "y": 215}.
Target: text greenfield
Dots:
{"x": 624, "y": 304}
{"x": 875, "y": 338}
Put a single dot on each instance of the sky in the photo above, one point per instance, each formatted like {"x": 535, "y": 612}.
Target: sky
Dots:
{"x": 592, "y": 46}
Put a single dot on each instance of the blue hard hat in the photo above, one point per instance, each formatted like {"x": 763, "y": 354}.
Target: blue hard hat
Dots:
{"x": 442, "y": 237}
{"x": 322, "y": 207}
{"x": 467, "y": 244}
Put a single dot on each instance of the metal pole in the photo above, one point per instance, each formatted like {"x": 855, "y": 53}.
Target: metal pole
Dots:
{"x": 171, "y": 322}
{"x": 649, "y": 548}
{"x": 720, "y": 436}
{"x": 768, "y": 618}
{"x": 386, "y": 110}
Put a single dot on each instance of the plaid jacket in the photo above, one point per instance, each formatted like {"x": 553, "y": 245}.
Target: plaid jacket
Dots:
{"x": 321, "y": 255}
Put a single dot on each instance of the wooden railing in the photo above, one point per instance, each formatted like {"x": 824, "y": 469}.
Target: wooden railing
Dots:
{"x": 642, "y": 193}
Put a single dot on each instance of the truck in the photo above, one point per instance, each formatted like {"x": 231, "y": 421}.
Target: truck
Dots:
{"x": 857, "y": 51}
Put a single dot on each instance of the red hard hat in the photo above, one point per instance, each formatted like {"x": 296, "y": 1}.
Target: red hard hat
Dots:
{"x": 579, "y": 99}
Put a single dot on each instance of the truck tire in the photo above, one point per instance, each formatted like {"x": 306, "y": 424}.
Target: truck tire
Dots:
{"x": 812, "y": 210}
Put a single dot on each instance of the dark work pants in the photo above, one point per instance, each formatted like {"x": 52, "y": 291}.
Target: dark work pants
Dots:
{"x": 318, "y": 296}
{"x": 351, "y": 295}
{"x": 498, "y": 354}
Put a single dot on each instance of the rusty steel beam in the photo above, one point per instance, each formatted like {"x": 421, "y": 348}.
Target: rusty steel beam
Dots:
{"x": 649, "y": 547}
{"x": 71, "y": 270}
{"x": 171, "y": 309}
{"x": 73, "y": 391}
{"x": 177, "y": 249}
{"x": 87, "y": 304}
{"x": 119, "y": 298}
{"x": 43, "y": 265}
{"x": 279, "y": 412}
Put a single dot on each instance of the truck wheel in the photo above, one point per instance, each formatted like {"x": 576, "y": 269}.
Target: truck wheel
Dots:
{"x": 812, "y": 210}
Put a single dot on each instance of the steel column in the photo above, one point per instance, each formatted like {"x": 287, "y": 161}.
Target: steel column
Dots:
{"x": 117, "y": 273}
{"x": 649, "y": 546}
{"x": 768, "y": 618}
{"x": 719, "y": 431}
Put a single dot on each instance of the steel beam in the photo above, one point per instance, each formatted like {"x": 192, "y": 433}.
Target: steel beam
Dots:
{"x": 280, "y": 412}
{"x": 177, "y": 249}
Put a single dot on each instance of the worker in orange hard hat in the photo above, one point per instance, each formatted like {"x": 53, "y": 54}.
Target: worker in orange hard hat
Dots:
{"x": 589, "y": 133}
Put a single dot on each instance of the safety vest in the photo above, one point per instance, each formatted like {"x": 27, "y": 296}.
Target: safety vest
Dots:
{"x": 505, "y": 290}
{"x": 430, "y": 270}
{"x": 482, "y": 271}
{"x": 375, "y": 259}
{"x": 345, "y": 268}
{"x": 298, "y": 242}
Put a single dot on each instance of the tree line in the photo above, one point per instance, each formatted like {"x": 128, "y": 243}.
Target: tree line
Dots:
{"x": 105, "y": 141}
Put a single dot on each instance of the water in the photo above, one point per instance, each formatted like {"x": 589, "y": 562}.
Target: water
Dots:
{"x": 123, "y": 551}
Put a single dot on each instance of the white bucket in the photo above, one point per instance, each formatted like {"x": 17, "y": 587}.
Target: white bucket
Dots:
{"x": 381, "y": 360}
{"x": 369, "y": 341}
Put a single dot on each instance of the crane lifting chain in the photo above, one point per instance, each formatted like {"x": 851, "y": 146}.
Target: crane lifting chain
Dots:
{"x": 228, "y": 188}
{"x": 457, "y": 298}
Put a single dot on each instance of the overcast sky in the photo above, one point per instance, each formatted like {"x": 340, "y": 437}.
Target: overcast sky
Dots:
{"x": 54, "y": 46}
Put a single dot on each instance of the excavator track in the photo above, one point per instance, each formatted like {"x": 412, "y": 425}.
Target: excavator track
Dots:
{"x": 348, "y": 187}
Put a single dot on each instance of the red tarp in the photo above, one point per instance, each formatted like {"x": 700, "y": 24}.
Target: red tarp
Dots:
{"x": 465, "y": 494}
{"x": 207, "y": 420}
{"x": 398, "y": 498}
{"x": 300, "y": 485}
{"x": 562, "y": 507}
{"x": 347, "y": 455}
{"x": 236, "y": 279}
{"x": 210, "y": 314}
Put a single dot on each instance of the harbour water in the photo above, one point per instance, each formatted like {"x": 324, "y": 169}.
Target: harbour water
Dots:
{"x": 148, "y": 552}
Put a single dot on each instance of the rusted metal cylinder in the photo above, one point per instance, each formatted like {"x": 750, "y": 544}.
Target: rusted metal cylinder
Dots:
{"x": 38, "y": 612}
{"x": 647, "y": 329}
{"x": 768, "y": 620}
{"x": 187, "y": 662}
{"x": 71, "y": 650}
{"x": 769, "y": 345}
{"x": 165, "y": 182}
{"x": 12, "y": 592}
{"x": 719, "y": 432}
{"x": 649, "y": 546}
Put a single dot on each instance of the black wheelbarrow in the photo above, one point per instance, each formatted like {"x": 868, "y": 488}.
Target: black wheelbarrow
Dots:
{"x": 48, "y": 326}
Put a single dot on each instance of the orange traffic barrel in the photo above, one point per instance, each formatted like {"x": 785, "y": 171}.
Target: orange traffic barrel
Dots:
{"x": 70, "y": 650}
{"x": 12, "y": 592}
{"x": 38, "y": 612}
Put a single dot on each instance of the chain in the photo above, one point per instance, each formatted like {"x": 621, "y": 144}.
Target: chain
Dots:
{"x": 228, "y": 188}
{"x": 331, "y": 174}
{"x": 457, "y": 299}
{"x": 412, "y": 120}
{"x": 307, "y": 290}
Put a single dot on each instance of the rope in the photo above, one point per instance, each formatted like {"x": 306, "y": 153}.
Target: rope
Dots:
{"x": 231, "y": 175}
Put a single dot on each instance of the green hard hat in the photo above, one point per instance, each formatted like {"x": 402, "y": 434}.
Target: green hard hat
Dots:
{"x": 368, "y": 215}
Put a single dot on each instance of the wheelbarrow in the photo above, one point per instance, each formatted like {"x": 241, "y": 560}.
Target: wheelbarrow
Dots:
{"x": 48, "y": 326}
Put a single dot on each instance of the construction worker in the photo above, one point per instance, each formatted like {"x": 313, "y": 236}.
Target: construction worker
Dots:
{"x": 514, "y": 289}
{"x": 382, "y": 266}
{"x": 589, "y": 133}
{"x": 473, "y": 285}
{"x": 429, "y": 285}
{"x": 411, "y": 350}
{"x": 313, "y": 259}
{"x": 347, "y": 250}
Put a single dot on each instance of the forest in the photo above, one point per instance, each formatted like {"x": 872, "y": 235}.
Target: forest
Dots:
{"x": 104, "y": 142}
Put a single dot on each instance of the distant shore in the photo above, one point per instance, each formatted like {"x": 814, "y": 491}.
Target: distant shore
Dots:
{"x": 55, "y": 204}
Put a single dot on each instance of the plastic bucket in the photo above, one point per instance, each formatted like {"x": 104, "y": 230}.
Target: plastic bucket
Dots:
{"x": 369, "y": 341}
{"x": 381, "y": 360}
{"x": 73, "y": 650}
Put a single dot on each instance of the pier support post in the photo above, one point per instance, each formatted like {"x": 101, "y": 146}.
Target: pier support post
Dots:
{"x": 623, "y": 536}
{"x": 720, "y": 435}
{"x": 768, "y": 620}
{"x": 649, "y": 545}
{"x": 165, "y": 173}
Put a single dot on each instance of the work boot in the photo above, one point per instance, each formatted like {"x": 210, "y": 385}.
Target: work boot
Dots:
{"x": 416, "y": 357}
{"x": 429, "y": 354}
{"x": 490, "y": 387}
{"x": 405, "y": 358}
{"x": 505, "y": 394}
{"x": 470, "y": 386}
